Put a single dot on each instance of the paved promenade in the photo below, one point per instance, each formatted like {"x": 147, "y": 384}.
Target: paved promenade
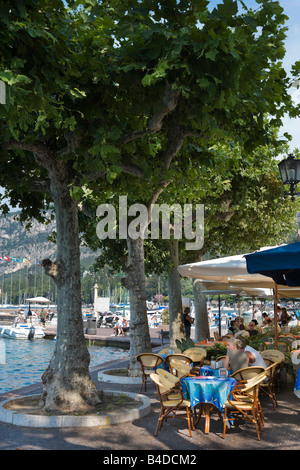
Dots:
{"x": 136, "y": 439}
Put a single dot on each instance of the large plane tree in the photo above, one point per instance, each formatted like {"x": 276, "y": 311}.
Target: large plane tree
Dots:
{"x": 114, "y": 89}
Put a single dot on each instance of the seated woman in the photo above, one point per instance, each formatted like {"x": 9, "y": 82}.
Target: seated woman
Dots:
{"x": 239, "y": 356}
{"x": 285, "y": 318}
{"x": 266, "y": 320}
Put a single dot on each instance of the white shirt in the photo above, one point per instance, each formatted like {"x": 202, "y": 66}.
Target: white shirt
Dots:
{"x": 259, "y": 361}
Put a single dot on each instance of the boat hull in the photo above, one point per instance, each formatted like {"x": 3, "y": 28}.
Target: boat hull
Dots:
{"x": 22, "y": 332}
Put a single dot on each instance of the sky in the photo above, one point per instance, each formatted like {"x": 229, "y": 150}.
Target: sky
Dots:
{"x": 291, "y": 9}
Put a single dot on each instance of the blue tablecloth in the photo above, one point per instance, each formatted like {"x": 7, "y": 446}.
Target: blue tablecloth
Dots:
{"x": 208, "y": 389}
{"x": 162, "y": 365}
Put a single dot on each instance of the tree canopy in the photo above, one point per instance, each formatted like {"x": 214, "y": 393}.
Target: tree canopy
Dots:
{"x": 118, "y": 93}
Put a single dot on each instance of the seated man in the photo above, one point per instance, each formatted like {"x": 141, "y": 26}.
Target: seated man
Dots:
{"x": 251, "y": 329}
{"x": 239, "y": 356}
{"x": 117, "y": 327}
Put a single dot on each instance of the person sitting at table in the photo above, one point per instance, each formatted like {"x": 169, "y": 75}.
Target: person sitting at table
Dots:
{"x": 124, "y": 327}
{"x": 239, "y": 322}
{"x": 285, "y": 318}
{"x": 268, "y": 324}
{"x": 251, "y": 329}
{"x": 239, "y": 356}
{"x": 235, "y": 359}
{"x": 118, "y": 326}
{"x": 232, "y": 327}
{"x": 266, "y": 320}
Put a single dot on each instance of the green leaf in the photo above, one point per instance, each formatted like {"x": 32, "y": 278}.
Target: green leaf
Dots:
{"x": 76, "y": 192}
{"x": 203, "y": 82}
{"x": 211, "y": 54}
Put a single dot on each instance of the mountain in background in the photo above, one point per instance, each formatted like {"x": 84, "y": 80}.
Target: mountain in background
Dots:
{"x": 33, "y": 245}
{"x": 19, "y": 278}
{"x": 16, "y": 241}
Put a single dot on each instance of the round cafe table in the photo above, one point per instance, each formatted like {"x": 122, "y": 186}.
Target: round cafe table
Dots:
{"x": 205, "y": 392}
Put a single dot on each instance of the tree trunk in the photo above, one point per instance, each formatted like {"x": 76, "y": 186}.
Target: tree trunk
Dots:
{"x": 175, "y": 300}
{"x": 202, "y": 331}
{"x": 135, "y": 283}
{"x": 66, "y": 381}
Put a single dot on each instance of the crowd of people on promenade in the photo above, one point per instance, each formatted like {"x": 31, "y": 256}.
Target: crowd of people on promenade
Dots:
{"x": 241, "y": 355}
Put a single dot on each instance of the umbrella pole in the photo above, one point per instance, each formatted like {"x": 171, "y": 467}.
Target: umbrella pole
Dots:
{"x": 220, "y": 316}
{"x": 275, "y": 314}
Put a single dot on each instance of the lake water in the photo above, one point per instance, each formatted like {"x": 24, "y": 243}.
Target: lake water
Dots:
{"x": 26, "y": 361}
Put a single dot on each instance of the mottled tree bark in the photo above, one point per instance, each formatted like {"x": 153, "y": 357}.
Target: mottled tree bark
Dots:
{"x": 66, "y": 382}
{"x": 201, "y": 319}
{"x": 175, "y": 300}
{"x": 135, "y": 283}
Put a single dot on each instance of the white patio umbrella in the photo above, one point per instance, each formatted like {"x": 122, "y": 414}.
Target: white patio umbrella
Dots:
{"x": 38, "y": 300}
{"x": 215, "y": 288}
{"x": 232, "y": 271}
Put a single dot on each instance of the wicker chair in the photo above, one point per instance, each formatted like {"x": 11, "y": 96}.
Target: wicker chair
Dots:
{"x": 172, "y": 402}
{"x": 284, "y": 345}
{"x": 268, "y": 386}
{"x": 221, "y": 358}
{"x": 247, "y": 373}
{"x": 268, "y": 361}
{"x": 167, "y": 376}
{"x": 180, "y": 357}
{"x": 166, "y": 351}
{"x": 181, "y": 369}
{"x": 149, "y": 362}
{"x": 197, "y": 355}
{"x": 274, "y": 354}
{"x": 243, "y": 402}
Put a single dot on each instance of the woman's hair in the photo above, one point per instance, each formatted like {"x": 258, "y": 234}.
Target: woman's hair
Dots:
{"x": 239, "y": 343}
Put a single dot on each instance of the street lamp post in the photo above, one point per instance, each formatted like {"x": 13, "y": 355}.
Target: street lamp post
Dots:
{"x": 290, "y": 174}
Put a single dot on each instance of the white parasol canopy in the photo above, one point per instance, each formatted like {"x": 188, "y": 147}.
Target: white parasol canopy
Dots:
{"x": 38, "y": 300}
{"x": 230, "y": 272}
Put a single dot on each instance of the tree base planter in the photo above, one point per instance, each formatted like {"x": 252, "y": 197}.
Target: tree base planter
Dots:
{"x": 118, "y": 376}
{"x": 25, "y": 412}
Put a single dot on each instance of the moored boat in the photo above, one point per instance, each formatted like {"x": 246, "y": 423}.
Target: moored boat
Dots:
{"x": 22, "y": 331}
